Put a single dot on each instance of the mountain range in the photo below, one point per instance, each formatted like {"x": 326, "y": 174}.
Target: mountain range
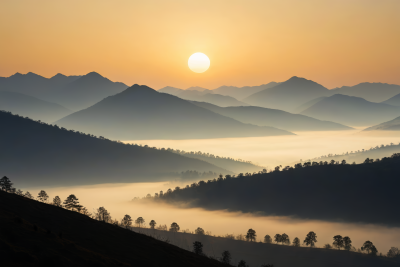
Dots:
{"x": 351, "y": 110}
{"x": 274, "y": 117}
{"x": 392, "y": 125}
{"x": 373, "y": 92}
{"x": 37, "y": 154}
{"x": 140, "y": 112}
{"x": 29, "y": 106}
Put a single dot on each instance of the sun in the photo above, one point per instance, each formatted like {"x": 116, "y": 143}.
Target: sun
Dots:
{"x": 198, "y": 62}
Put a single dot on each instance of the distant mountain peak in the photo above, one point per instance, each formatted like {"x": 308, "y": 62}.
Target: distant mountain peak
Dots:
{"x": 93, "y": 74}
{"x": 58, "y": 75}
{"x": 136, "y": 88}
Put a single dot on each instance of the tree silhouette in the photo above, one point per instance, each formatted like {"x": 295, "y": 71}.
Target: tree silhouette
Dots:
{"x": 267, "y": 239}
{"x": 327, "y": 246}
{"x": 278, "y": 238}
{"x": 139, "y": 221}
{"x": 251, "y": 235}
{"x": 393, "y": 252}
{"x": 296, "y": 242}
{"x": 6, "y": 184}
{"x": 103, "y": 215}
{"x": 28, "y": 195}
{"x": 19, "y": 192}
{"x": 198, "y": 248}
{"x": 226, "y": 257}
{"x": 285, "y": 239}
{"x": 72, "y": 203}
{"x": 199, "y": 231}
{"x": 152, "y": 224}
{"x": 242, "y": 263}
{"x": 126, "y": 221}
{"x": 347, "y": 243}
{"x": 174, "y": 227}
{"x": 42, "y": 196}
{"x": 310, "y": 239}
{"x": 57, "y": 201}
{"x": 84, "y": 211}
{"x": 369, "y": 248}
{"x": 338, "y": 242}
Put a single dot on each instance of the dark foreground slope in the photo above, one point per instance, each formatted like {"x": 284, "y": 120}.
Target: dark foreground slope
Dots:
{"x": 256, "y": 254}
{"x": 37, "y": 234}
{"x": 36, "y": 154}
{"x": 366, "y": 193}
{"x": 274, "y": 117}
{"x": 142, "y": 113}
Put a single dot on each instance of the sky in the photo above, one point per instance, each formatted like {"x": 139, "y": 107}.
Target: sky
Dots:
{"x": 249, "y": 42}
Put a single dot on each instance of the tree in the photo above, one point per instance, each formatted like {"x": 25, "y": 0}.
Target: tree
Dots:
{"x": 126, "y": 221}
{"x": 42, "y": 196}
{"x": 347, "y": 243}
{"x": 72, "y": 203}
{"x": 296, "y": 242}
{"x": 267, "y": 239}
{"x": 285, "y": 239}
{"x": 278, "y": 238}
{"x": 139, "y": 221}
{"x": 199, "y": 231}
{"x": 102, "y": 215}
{"x": 338, "y": 241}
{"x": 226, "y": 257}
{"x": 198, "y": 248}
{"x": 251, "y": 235}
{"x": 84, "y": 211}
{"x": 369, "y": 248}
{"x": 5, "y": 184}
{"x": 174, "y": 227}
{"x": 28, "y": 195}
{"x": 311, "y": 239}
{"x": 393, "y": 252}
{"x": 327, "y": 246}
{"x": 152, "y": 224}
{"x": 57, "y": 201}
{"x": 242, "y": 263}
{"x": 19, "y": 192}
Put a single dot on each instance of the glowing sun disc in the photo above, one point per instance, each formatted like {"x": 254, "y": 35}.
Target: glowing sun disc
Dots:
{"x": 198, "y": 62}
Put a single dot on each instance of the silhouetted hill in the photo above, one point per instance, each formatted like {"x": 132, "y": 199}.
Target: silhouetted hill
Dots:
{"x": 32, "y": 107}
{"x": 242, "y": 92}
{"x": 374, "y": 92}
{"x": 37, "y": 154}
{"x": 308, "y": 104}
{"x": 394, "y": 101}
{"x": 393, "y": 125}
{"x": 256, "y": 253}
{"x": 364, "y": 193}
{"x": 288, "y": 95}
{"x": 33, "y": 84}
{"x": 85, "y": 91}
{"x": 275, "y": 118}
{"x": 38, "y": 234}
{"x": 351, "y": 110}
{"x": 142, "y": 113}
{"x": 376, "y": 152}
{"x": 73, "y": 92}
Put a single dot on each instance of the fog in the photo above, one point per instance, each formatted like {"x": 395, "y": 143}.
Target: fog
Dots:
{"x": 282, "y": 150}
{"x": 116, "y": 198}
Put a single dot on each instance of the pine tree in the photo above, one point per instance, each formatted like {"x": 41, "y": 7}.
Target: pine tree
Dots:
{"x": 174, "y": 227}
{"x": 126, "y": 221}
{"x": 72, "y": 203}
{"x": 28, "y": 195}
{"x": 251, "y": 235}
{"x": 57, "y": 201}
{"x": 198, "y": 248}
{"x": 6, "y": 184}
{"x": 152, "y": 224}
{"x": 296, "y": 242}
{"x": 42, "y": 196}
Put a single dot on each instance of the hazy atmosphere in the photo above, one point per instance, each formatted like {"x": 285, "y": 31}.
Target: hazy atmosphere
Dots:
{"x": 256, "y": 133}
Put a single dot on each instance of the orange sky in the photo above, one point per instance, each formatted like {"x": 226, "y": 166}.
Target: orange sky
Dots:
{"x": 249, "y": 42}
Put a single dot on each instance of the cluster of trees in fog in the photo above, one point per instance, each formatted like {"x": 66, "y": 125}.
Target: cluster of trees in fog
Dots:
{"x": 203, "y": 154}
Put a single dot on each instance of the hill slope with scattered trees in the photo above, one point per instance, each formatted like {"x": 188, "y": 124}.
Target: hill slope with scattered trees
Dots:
{"x": 364, "y": 193}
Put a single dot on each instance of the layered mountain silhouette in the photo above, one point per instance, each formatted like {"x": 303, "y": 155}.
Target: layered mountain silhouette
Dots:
{"x": 287, "y": 95}
{"x": 39, "y": 234}
{"x": 373, "y": 92}
{"x": 275, "y": 118}
{"x": 37, "y": 154}
{"x": 308, "y": 104}
{"x": 394, "y": 101}
{"x": 143, "y": 113}
{"x": 85, "y": 91}
{"x": 32, "y": 107}
{"x": 350, "y": 110}
{"x": 72, "y": 92}
{"x": 392, "y": 125}
{"x": 242, "y": 92}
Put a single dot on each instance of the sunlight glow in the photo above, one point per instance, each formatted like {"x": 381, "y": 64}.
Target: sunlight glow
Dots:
{"x": 199, "y": 62}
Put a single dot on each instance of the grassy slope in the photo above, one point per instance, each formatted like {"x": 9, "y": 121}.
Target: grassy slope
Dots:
{"x": 84, "y": 241}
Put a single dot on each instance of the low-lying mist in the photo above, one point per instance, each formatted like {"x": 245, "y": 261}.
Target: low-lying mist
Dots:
{"x": 271, "y": 151}
{"x": 116, "y": 198}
